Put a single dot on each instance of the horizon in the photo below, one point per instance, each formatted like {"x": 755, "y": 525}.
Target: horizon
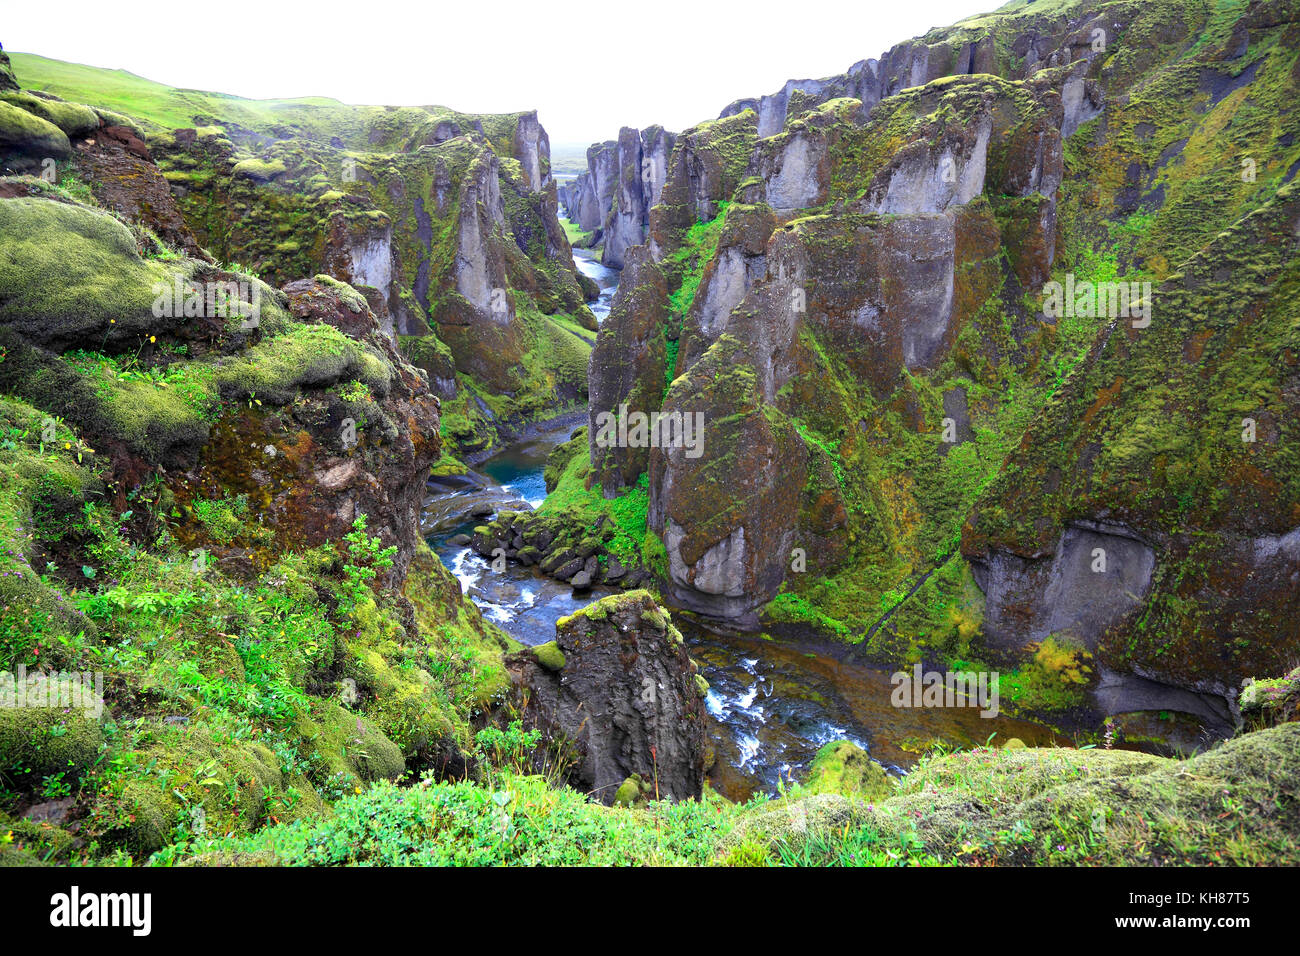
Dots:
{"x": 573, "y": 111}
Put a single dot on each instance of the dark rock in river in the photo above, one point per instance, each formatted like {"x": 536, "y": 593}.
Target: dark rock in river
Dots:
{"x": 619, "y": 686}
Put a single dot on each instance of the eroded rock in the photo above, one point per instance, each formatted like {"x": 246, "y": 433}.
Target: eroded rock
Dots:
{"x": 619, "y": 688}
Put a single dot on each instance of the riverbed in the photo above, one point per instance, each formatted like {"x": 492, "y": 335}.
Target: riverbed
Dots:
{"x": 603, "y": 276}
{"x": 772, "y": 704}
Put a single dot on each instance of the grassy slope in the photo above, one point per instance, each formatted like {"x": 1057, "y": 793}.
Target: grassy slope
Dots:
{"x": 1235, "y": 805}
{"x": 166, "y": 107}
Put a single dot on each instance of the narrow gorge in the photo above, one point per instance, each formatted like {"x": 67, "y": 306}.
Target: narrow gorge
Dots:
{"x": 898, "y": 468}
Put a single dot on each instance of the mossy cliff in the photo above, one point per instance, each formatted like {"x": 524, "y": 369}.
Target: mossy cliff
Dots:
{"x": 446, "y": 221}
{"x": 217, "y": 511}
{"x": 856, "y": 271}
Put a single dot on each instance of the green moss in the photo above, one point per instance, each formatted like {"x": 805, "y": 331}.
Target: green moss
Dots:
{"x": 843, "y": 767}
{"x": 38, "y": 742}
{"x": 577, "y": 507}
{"x": 305, "y": 356}
{"x": 633, "y": 792}
{"x": 37, "y": 137}
{"x": 259, "y": 169}
{"x": 549, "y": 656}
{"x": 78, "y": 270}
{"x": 354, "y": 300}
{"x": 350, "y": 745}
{"x": 72, "y": 118}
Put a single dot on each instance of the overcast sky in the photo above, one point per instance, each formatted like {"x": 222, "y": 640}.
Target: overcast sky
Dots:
{"x": 587, "y": 68}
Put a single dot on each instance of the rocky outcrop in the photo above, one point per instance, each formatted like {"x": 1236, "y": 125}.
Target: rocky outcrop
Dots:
{"x": 625, "y": 223}
{"x": 308, "y": 411}
{"x": 627, "y": 368}
{"x": 331, "y": 455}
{"x": 532, "y": 147}
{"x": 726, "y": 508}
{"x": 447, "y": 222}
{"x": 706, "y": 165}
{"x": 603, "y": 168}
{"x": 613, "y": 198}
{"x": 618, "y": 690}
{"x": 359, "y": 251}
{"x": 642, "y": 171}
{"x": 7, "y": 79}
{"x": 886, "y": 285}
{"x": 737, "y": 266}
{"x": 124, "y": 178}
{"x": 581, "y": 202}
{"x": 1039, "y": 43}
{"x": 795, "y": 165}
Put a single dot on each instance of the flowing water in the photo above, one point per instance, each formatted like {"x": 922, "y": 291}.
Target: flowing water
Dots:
{"x": 772, "y": 704}
{"x": 604, "y": 277}
{"x": 521, "y": 601}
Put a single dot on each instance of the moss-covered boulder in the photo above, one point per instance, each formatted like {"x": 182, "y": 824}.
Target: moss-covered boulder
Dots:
{"x": 73, "y": 119}
{"x": 74, "y": 276}
{"x": 549, "y": 656}
{"x": 349, "y": 746}
{"x": 26, "y": 140}
{"x": 843, "y": 767}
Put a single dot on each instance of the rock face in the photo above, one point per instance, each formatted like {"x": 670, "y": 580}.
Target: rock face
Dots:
{"x": 727, "y": 509}
{"x": 624, "y": 179}
{"x": 1039, "y": 43}
{"x": 447, "y": 223}
{"x": 1095, "y": 551}
{"x": 856, "y": 272}
{"x": 627, "y": 367}
{"x": 579, "y": 198}
{"x": 706, "y": 165}
{"x": 532, "y": 147}
{"x": 795, "y": 165}
{"x": 268, "y": 415}
{"x": 360, "y": 252}
{"x": 124, "y": 178}
{"x": 642, "y": 171}
{"x": 887, "y": 285}
{"x": 618, "y": 686}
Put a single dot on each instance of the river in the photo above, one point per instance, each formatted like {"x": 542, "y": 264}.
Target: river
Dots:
{"x": 772, "y": 704}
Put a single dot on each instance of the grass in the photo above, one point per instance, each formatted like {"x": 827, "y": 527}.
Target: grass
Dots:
{"x": 574, "y": 233}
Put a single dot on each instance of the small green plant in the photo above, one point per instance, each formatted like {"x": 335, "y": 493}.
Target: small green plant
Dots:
{"x": 54, "y": 786}
{"x": 508, "y": 749}
{"x": 366, "y": 558}
{"x": 355, "y": 391}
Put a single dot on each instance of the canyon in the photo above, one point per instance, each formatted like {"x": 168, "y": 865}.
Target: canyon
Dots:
{"x": 381, "y": 515}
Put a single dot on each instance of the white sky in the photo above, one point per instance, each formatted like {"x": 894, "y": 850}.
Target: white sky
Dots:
{"x": 588, "y": 69}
